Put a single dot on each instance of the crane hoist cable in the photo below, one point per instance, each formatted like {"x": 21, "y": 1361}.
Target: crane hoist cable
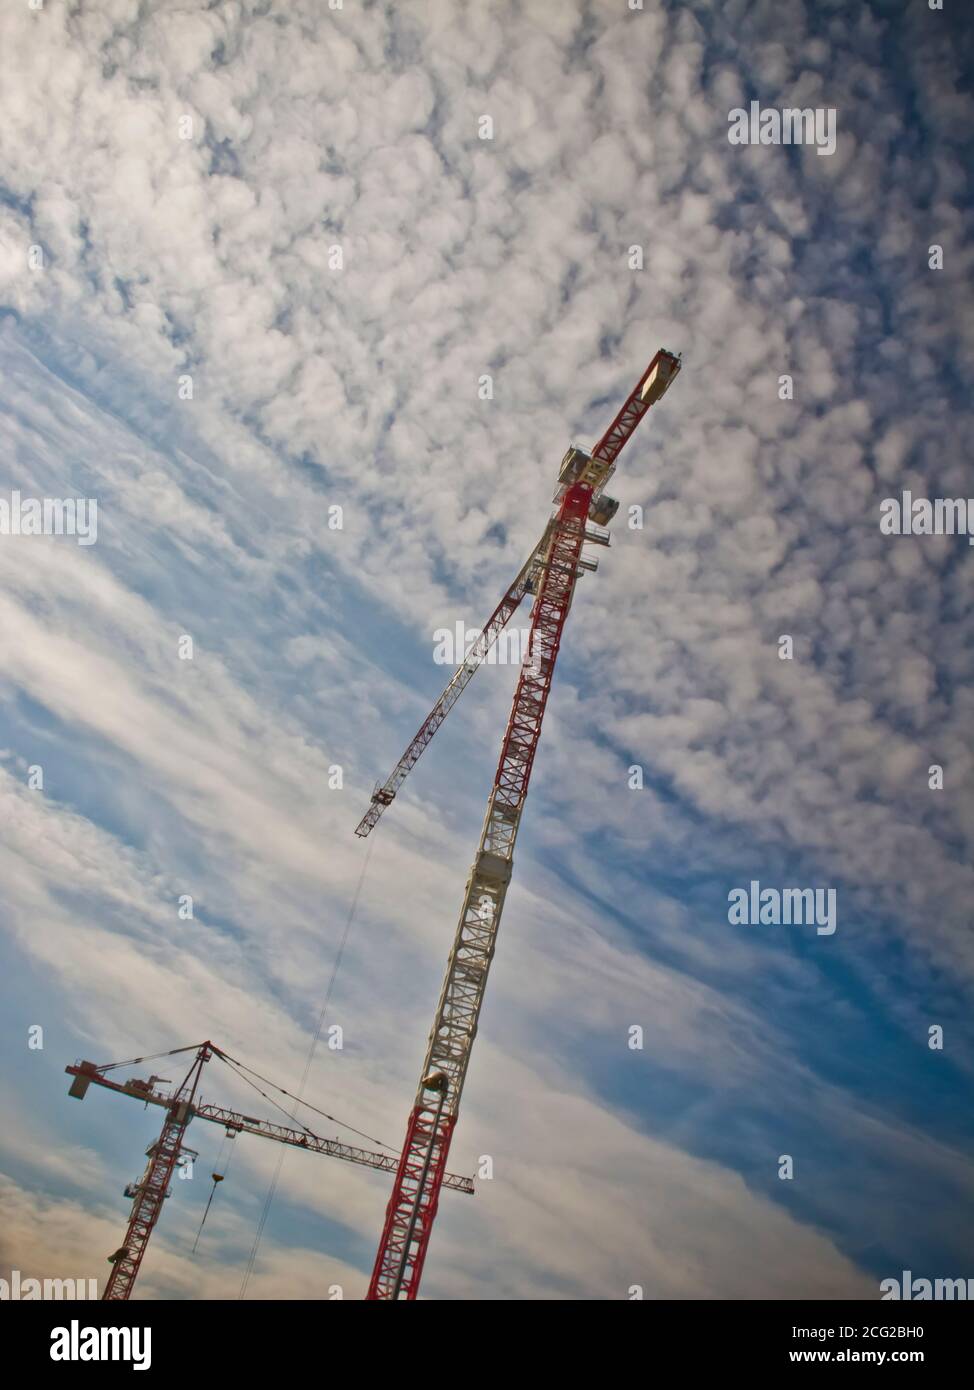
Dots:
{"x": 239, "y": 1068}
{"x": 272, "y": 1188}
{"x": 218, "y": 1175}
{"x": 304, "y": 1104}
{"x": 151, "y": 1057}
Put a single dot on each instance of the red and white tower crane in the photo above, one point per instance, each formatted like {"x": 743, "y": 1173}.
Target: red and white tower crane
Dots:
{"x": 550, "y": 573}
{"x": 181, "y": 1106}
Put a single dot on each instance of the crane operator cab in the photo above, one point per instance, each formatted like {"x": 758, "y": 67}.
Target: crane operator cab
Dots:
{"x": 574, "y": 466}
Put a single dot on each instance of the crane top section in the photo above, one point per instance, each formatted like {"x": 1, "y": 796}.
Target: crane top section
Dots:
{"x": 597, "y": 467}
{"x": 87, "y": 1072}
{"x": 651, "y": 386}
{"x": 593, "y": 469}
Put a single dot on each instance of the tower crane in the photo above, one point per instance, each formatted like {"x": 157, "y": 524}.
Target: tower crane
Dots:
{"x": 550, "y": 574}
{"x": 181, "y": 1106}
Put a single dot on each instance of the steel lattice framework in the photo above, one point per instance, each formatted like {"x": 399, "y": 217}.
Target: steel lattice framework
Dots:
{"x": 313, "y": 1143}
{"x": 163, "y": 1154}
{"x": 410, "y": 1214}
{"x": 155, "y": 1184}
{"x": 557, "y": 563}
{"x": 469, "y": 665}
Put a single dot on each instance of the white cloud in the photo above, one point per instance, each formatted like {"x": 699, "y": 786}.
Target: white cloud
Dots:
{"x": 315, "y": 386}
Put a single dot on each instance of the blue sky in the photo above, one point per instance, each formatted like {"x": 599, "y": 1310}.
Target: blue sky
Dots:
{"x": 316, "y": 387}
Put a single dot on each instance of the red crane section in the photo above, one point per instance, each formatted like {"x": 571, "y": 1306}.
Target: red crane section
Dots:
{"x": 412, "y": 1206}
{"x": 155, "y": 1184}
{"x": 647, "y": 391}
{"x": 577, "y": 465}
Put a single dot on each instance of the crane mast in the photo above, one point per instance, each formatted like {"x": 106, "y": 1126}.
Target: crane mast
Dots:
{"x": 151, "y": 1192}
{"x": 412, "y": 1207}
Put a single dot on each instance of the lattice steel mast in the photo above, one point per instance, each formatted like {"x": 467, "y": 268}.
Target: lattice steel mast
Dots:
{"x": 558, "y": 562}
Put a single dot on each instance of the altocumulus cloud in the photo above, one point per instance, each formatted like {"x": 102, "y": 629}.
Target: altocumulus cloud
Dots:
{"x": 188, "y": 349}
